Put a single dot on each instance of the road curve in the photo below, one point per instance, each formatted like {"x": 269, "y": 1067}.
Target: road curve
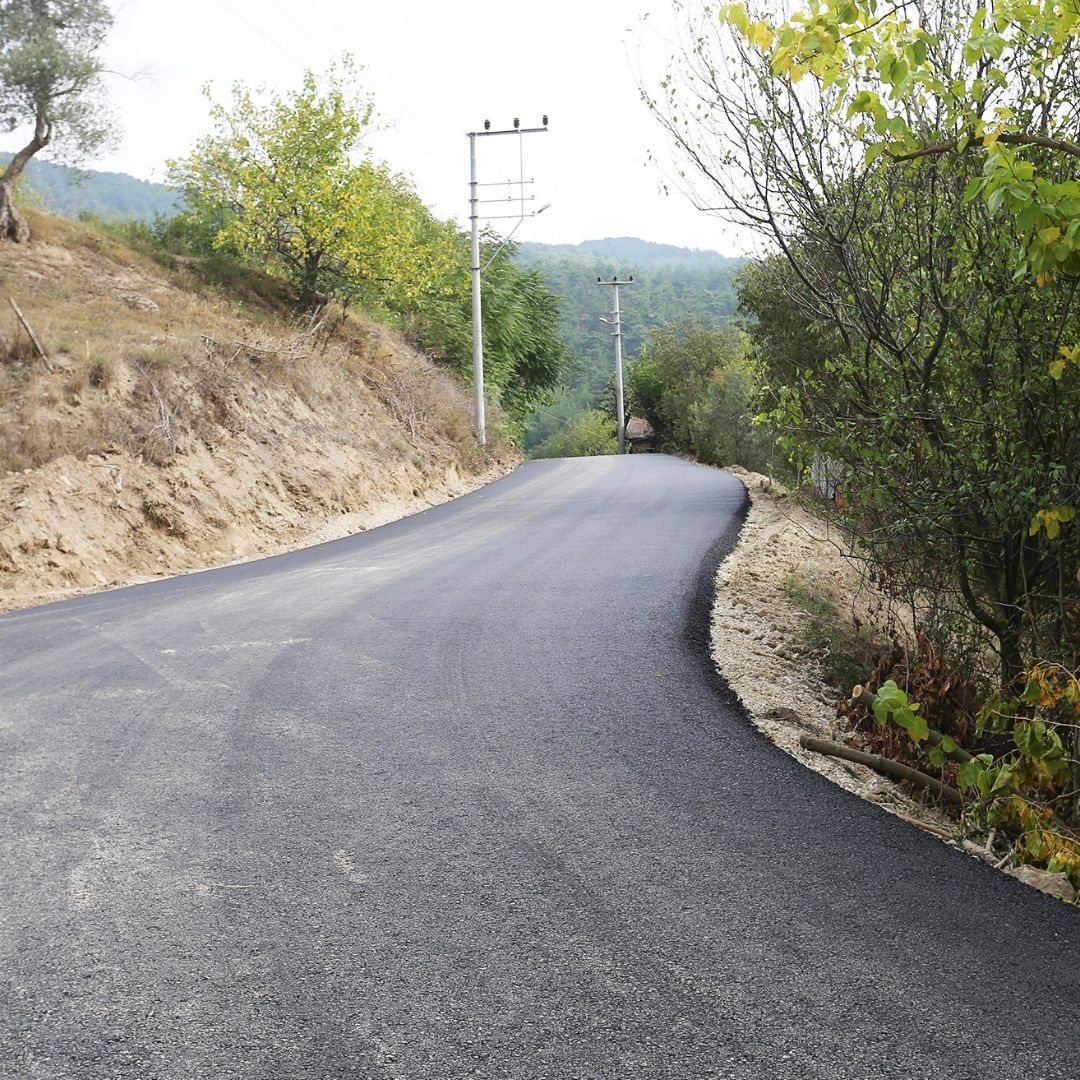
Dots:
{"x": 461, "y": 797}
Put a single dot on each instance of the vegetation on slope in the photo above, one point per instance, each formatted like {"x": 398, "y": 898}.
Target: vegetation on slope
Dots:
{"x": 181, "y": 423}
{"x": 282, "y": 183}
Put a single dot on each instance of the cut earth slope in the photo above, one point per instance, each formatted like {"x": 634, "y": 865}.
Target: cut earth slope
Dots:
{"x": 184, "y": 426}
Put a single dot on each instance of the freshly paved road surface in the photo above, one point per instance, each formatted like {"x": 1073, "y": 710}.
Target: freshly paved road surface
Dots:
{"x": 459, "y": 798}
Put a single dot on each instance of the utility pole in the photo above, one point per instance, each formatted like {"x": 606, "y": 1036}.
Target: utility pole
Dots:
{"x": 476, "y": 268}
{"x": 616, "y": 323}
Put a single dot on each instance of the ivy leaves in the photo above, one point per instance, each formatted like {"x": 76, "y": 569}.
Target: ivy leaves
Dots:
{"x": 892, "y": 705}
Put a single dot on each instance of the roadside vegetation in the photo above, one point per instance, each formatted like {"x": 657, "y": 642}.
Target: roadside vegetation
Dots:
{"x": 283, "y": 185}
{"x": 699, "y": 389}
{"x": 917, "y": 338}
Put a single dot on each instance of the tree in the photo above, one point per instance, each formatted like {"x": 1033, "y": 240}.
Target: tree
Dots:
{"x": 589, "y": 434}
{"x": 941, "y": 389}
{"x": 696, "y": 388}
{"x": 523, "y": 356}
{"x": 645, "y": 391}
{"x": 50, "y": 77}
{"x": 998, "y": 81}
{"x": 279, "y": 183}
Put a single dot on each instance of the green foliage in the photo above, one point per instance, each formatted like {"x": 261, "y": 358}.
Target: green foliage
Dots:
{"x": 645, "y": 391}
{"x": 892, "y": 705}
{"x": 279, "y": 183}
{"x": 50, "y": 80}
{"x": 669, "y": 283}
{"x": 523, "y": 356}
{"x": 696, "y": 387}
{"x": 1021, "y": 778}
{"x": 961, "y": 79}
{"x": 1030, "y": 790}
{"x": 50, "y": 71}
{"x": 911, "y": 339}
{"x": 587, "y": 435}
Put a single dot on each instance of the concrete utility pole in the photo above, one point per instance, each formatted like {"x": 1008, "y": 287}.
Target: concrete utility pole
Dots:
{"x": 474, "y": 219}
{"x": 616, "y": 322}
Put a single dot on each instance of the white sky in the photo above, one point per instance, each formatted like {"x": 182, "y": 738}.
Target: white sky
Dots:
{"x": 437, "y": 71}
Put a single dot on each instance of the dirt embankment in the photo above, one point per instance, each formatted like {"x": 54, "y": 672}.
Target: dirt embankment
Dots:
{"x": 183, "y": 427}
{"x": 787, "y": 572}
{"x": 795, "y": 623}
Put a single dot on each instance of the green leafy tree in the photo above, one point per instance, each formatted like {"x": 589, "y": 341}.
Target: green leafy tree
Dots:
{"x": 698, "y": 390}
{"x": 994, "y": 81}
{"x": 645, "y": 391}
{"x": 524, "y": 358}
{"x": 277, "y": 184}
{"x": 939, "y": 388}
{"x": 278, "y": 180}
{"x": 50, "y": 79}
{"x": 589, "y": 434}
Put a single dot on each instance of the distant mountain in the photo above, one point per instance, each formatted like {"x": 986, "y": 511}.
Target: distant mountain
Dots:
{"x": 71, "y": 192}
{"x": 627, "y": 251}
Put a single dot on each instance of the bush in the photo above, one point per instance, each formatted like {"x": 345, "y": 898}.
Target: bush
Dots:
{"x": 588, "y": 435}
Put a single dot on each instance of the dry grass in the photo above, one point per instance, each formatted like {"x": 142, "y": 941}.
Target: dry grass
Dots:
{"x": 233, "y": 426}
{"x": 146, "y": 382}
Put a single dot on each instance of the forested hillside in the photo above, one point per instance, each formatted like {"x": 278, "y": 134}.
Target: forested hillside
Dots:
{"x": 107, "y": 195}
{"x": 670, "y": 284}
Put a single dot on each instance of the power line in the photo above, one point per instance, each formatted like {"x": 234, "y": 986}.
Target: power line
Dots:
{"x": 345, "y": 35}
{"x": 285, "y": 51}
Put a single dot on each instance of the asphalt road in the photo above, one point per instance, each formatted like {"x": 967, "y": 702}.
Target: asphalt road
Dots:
{"x": 461, "y": 797}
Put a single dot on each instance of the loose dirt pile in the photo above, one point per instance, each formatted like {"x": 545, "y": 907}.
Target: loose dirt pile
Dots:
{"x": 183, "y": 428}
{"x": 786, "y": 565}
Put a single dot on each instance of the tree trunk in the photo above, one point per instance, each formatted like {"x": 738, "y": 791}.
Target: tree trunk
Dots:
{"x": 13, "y": 226}
{"x": 310, "y": 297}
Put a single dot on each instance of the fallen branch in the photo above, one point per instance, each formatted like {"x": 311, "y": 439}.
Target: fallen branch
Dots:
{"x": 165, "y": 417}
{"x": 866, "y": 698}
{"x": 38, "y": 347}
{"x": 926, "y": 826}
{"x": 885, "y": 766}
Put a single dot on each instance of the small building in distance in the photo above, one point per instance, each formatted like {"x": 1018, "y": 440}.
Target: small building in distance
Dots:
{"x": 640, "y": 437}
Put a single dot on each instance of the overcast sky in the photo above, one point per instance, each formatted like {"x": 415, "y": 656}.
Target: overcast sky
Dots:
{"x": 437, "y": 71}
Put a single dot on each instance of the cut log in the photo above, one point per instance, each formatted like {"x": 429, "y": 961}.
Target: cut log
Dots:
{"x": 885, "y": 766}
{"x": 866, "y": 698}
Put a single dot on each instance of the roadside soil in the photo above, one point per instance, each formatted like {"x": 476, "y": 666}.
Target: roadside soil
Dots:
{"x": 760, "y": 646}
{"x": 176, "y": 426}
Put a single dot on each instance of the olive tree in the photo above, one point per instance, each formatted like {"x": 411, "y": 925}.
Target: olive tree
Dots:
{"x": 50, "y": 81}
